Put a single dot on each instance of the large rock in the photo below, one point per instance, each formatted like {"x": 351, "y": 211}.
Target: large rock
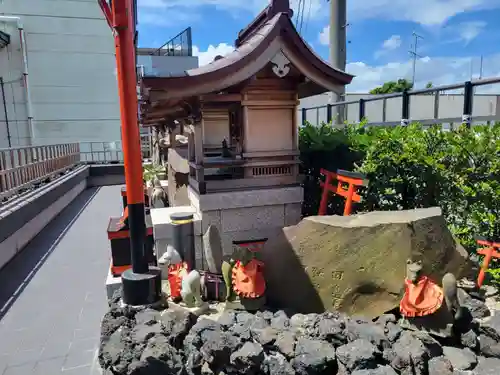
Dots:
{"x": 357, "y": 264}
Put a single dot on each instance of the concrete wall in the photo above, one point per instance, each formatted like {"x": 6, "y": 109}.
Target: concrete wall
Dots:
{"x": 23, "y": 218}
{"x": 163, "y": 65}
{"x": 71, "y": 70}
{"x": 421, "y": 107}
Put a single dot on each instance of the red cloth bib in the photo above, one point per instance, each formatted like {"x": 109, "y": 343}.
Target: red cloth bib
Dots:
{"x": 421, "y": 299}
{"x": 175, "y": 274}
{"x": 248, "y": 280}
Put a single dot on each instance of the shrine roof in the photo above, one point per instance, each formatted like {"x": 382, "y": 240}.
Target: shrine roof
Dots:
{"x": 269, "y": 33}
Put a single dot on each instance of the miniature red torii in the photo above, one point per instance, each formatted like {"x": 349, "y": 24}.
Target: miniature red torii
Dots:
{"x": 352, "y": 179}
{"x": 489, "y": 252}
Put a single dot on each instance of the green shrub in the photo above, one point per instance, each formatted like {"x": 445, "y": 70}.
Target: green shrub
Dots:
{"x": 412, "y": 167}
{"x": 151, "y": 171}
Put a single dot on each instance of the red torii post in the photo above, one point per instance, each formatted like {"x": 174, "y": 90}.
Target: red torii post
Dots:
{"x": 489, "y": 252}
{"x": 352, "y": 179}
{"x": 141, "y": 285}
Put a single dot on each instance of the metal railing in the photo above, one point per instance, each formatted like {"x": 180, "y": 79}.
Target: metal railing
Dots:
{"x": 110, "y": 152}
{"x": 22, "y": 167}
{"x": 179, "y": 45}
{"x": 101, "y": 152}
{"x": 434, "y": 95}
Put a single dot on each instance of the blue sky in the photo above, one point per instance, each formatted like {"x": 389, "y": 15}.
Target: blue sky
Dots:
{"x": 455, "y": 34}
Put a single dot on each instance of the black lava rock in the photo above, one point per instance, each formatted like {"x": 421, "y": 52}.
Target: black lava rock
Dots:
{"x": 144, "y": 341}
{"x": 314, "y": 357}
{"x": 359, "y": 355}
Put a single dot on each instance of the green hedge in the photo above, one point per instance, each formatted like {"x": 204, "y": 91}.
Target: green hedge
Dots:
{"x": 412, "y": 167}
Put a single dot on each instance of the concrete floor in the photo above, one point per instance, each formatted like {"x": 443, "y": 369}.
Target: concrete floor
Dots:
{"x": 53, "y": 293}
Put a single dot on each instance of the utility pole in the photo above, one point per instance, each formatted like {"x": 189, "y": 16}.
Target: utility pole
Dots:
{"x": 414, "y": 55}
{"x": 338, "y": 53}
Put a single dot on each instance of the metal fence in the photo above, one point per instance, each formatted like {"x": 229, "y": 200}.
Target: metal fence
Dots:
{"x": 101, "y": 152}
{"x": 110, "y": 152}
{"x": 179, "y": 45}
{"x": 355, "y": 110}
{"x": 22, "y": 167}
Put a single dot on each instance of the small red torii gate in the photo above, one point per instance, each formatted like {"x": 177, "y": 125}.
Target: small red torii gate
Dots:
{"x": 489, "y": 252}
{"x": 352, "y": 179}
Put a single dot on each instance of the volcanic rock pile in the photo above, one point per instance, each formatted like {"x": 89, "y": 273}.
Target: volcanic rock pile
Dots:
{"x": 174, "y": 341}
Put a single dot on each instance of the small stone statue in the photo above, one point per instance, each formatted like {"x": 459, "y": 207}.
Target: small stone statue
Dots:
{"x": 244, "y": 278}
{"x": 226, "y": 153}
{"x": 159, "y": 198}
{"x": 172, "y": 268}
{"x": 191, "y": 289}
{"x": 427, "y": 306}
{"x": 227, "y": 274}
{"x": 170, "y": 256}
{"x": 212, "y": 248}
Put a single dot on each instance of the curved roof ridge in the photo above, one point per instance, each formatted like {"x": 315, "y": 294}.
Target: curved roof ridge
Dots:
{"x": 241, "y": 51}
{"x": 274, "y": 7}
{"x": 243, "y": 62}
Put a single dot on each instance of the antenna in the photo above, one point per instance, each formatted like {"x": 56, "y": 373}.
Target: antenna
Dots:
{"x": 414, "y": 55}
{"x": 481, "y": 68}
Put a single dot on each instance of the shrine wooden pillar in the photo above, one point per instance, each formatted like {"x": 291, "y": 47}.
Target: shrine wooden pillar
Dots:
{"x": 197, "y": 131}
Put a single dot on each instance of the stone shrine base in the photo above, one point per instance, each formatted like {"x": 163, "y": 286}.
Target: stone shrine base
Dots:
{"x": 174, "y": 341}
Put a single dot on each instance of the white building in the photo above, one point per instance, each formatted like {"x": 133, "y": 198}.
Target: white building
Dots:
{"x": 71, "y": 94}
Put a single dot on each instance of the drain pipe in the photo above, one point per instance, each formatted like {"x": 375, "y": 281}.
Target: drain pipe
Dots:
{"x": 24, "y": 52}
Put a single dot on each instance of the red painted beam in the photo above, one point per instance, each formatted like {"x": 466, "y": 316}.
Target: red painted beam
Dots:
{"x": 107, "y": 12}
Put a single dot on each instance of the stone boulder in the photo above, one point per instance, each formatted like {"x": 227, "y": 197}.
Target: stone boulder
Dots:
{"x": 357, "y": 264}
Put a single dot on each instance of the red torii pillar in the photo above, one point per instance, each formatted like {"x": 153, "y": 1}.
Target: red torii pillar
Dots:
{"x": 489, "y": 253}
{"x": 141, "y": 285}
{"x": 352, "y": 179}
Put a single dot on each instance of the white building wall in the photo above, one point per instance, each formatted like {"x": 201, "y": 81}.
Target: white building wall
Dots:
{"x": 421, "y": 107}
{"x": 163, "y": 66}
{"x": 71, "y": 65}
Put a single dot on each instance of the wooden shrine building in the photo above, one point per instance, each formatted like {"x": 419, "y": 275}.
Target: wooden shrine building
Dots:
{"x": 240, "y": 112}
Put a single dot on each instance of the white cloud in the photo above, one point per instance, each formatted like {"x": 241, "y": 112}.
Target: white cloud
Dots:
{"x": 425, "y": 12}
{"x": 468, "y": 31}
{"x": 438, "y": 70}
{"x": 464, "y": 32}
{"x": 391, "y": 44}
{"x": 324, "y": 36}
{"x": 233, "y": 6}
{"x": 206, "y": 57}
{"x": 159, "y": 19}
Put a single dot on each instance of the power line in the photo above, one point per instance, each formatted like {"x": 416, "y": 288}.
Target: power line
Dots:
{"x": 414, "y": 55}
